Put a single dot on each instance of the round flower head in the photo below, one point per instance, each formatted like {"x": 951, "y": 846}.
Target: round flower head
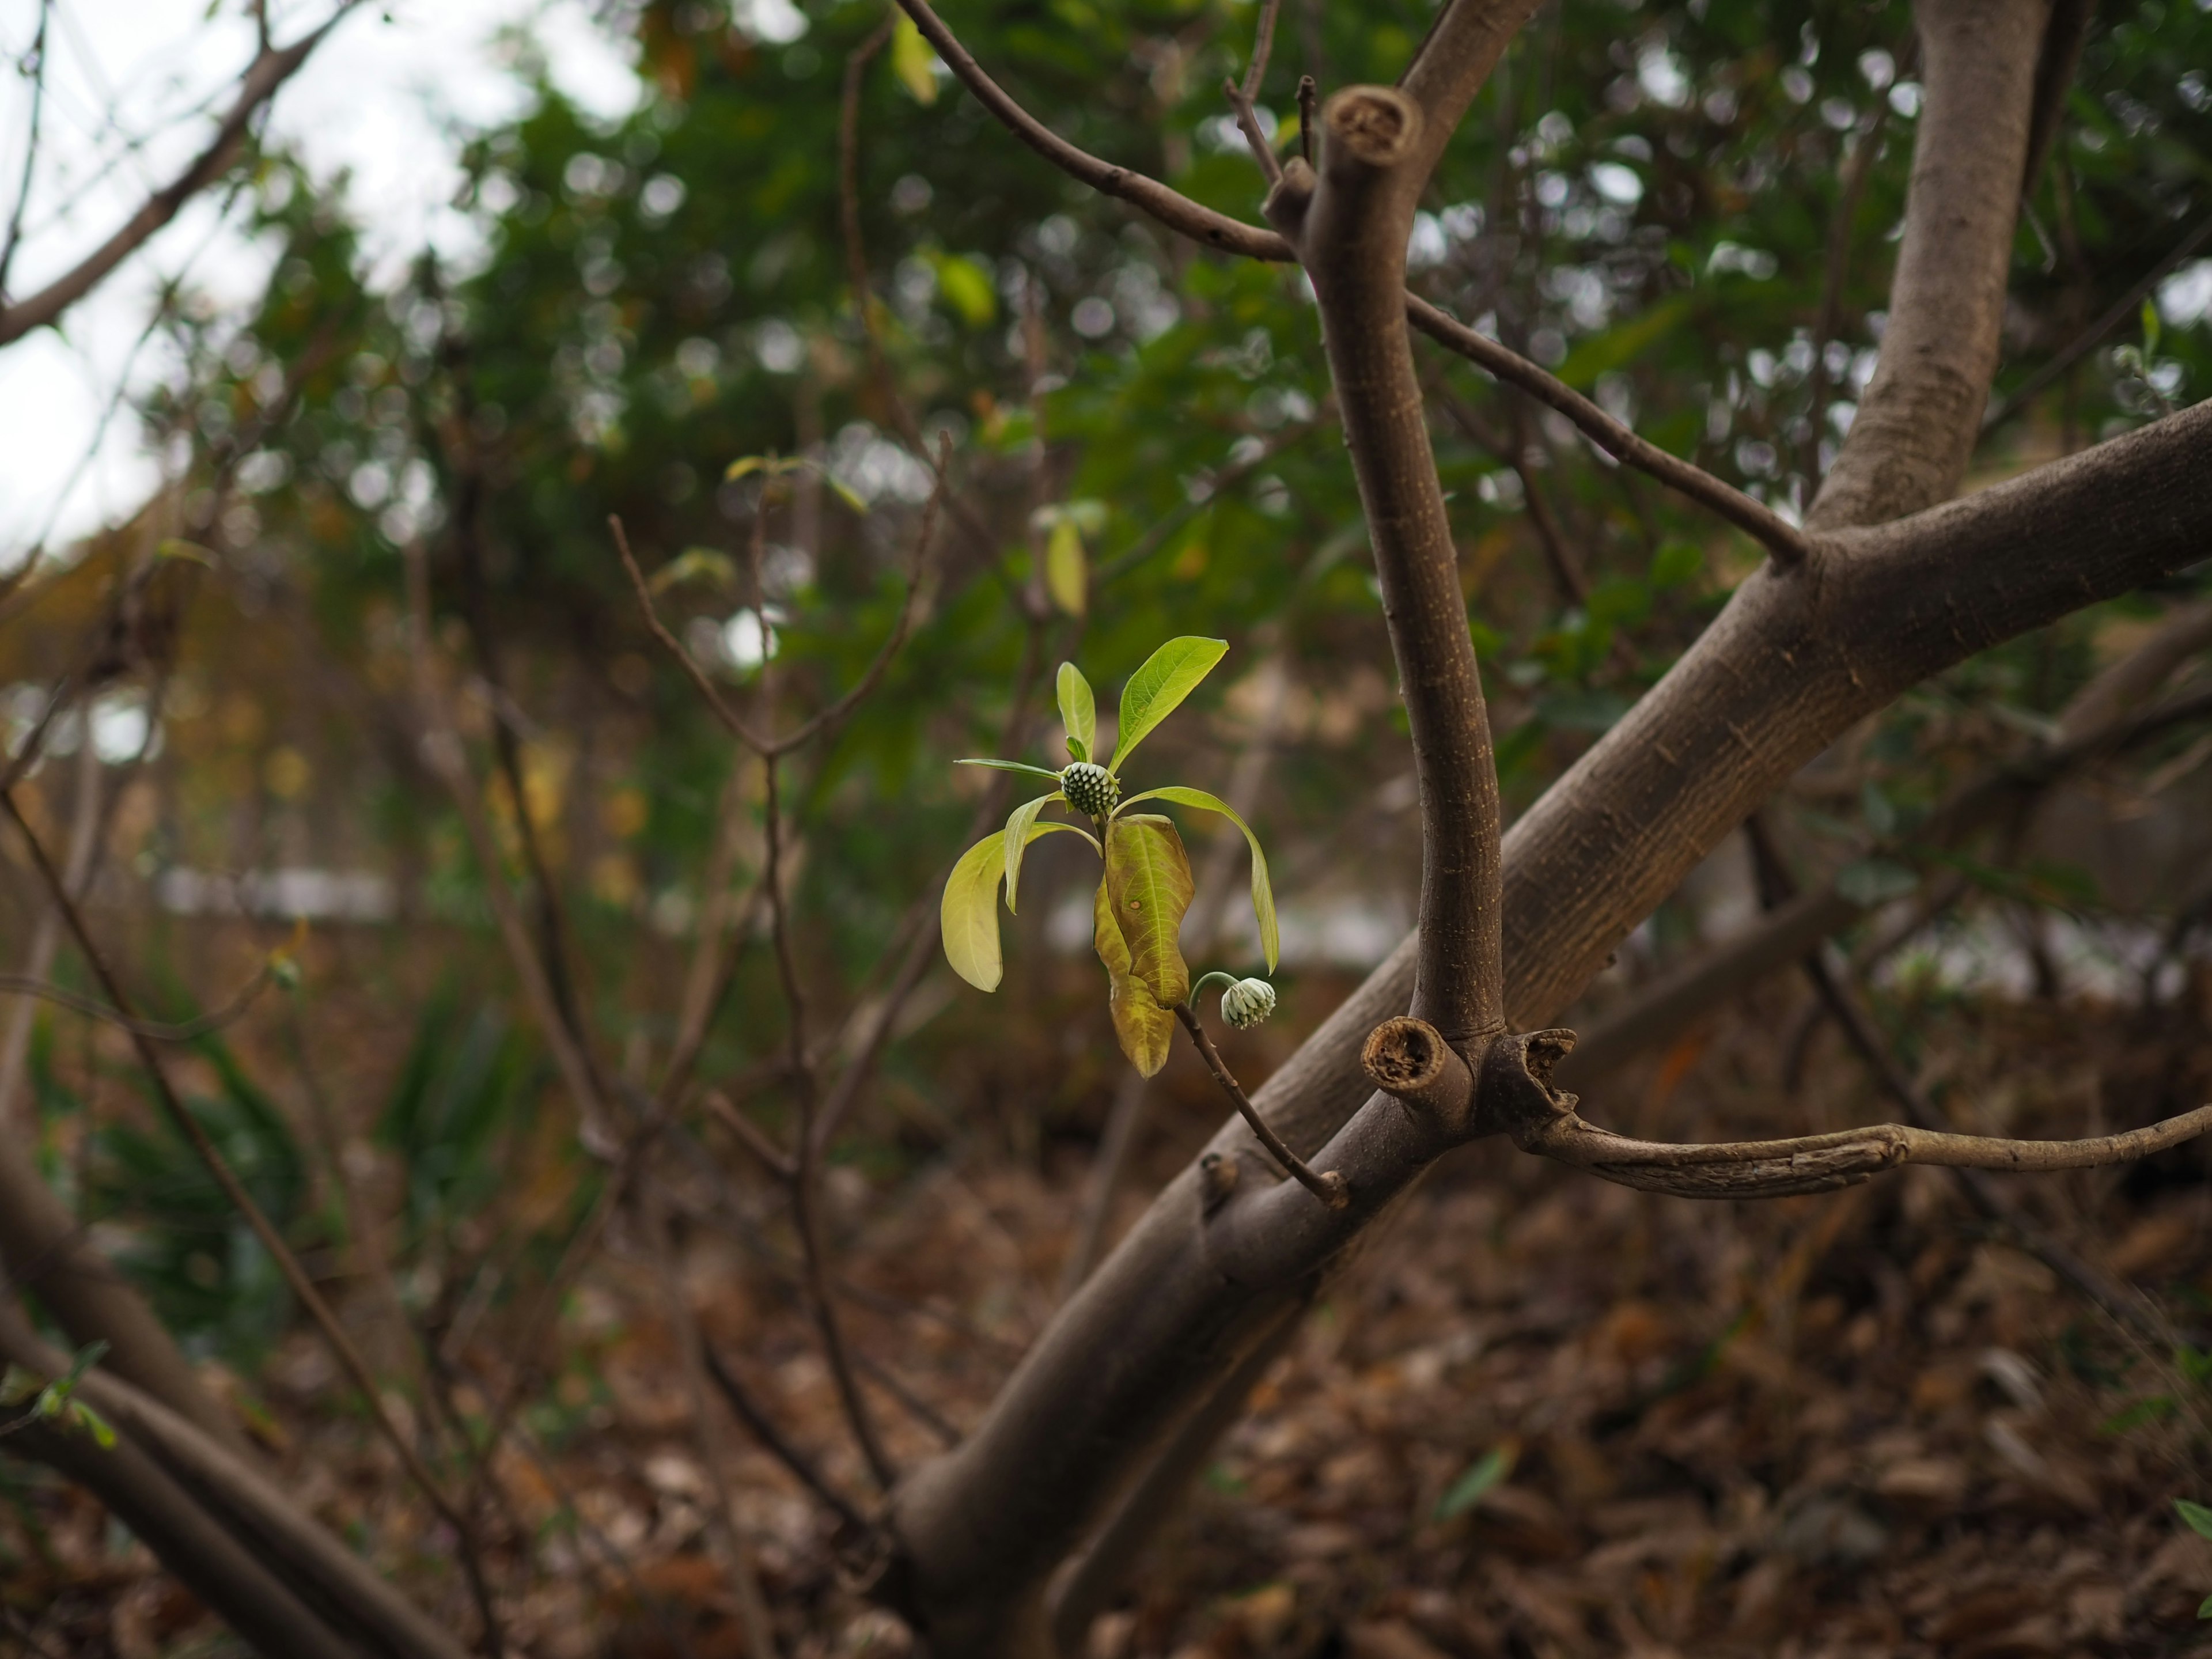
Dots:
{"x": 1248, "y": 1002}
{"x": 1090, "y": 789}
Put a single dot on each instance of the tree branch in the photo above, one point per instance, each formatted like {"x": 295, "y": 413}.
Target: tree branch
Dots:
{"x": 1755, "y": 519}
{"x": 1918, "y": 422}
{"x": 268, "y": 72}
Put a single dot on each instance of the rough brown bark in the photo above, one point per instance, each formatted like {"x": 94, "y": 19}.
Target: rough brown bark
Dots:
{"x": 1915, "y": 429}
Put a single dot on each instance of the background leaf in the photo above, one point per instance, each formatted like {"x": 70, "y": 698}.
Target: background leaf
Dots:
{"x": 1170, "y": 674}
{"x": 1079, "y": 710}
{"x": 1065, "y": 576}
{"x": 1263, "y": 892}
{"x": 912, "y": 61}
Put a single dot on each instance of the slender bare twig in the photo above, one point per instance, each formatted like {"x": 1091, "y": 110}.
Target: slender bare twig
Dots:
{"x": 777, "y": 1162}
{"x": 1309, "y": 97}
{"x": 779, "y": 1445}
{"x": 1788, "y": 543}
{"x": 1241, "y": 98}
{"x": 36, "y": 61}
{"x": 2127, "y": 305}
{"x": 295, "y": 1276}
{"x": 744, "y": 1577}
{"x": 768, "y": 747}
{"x": 154, "y": 1030}
{"x": 805, "y": 1220}
{"x": 269, "y": 71}
{"x": 1817, "y": 1164}
{"x": 1328, "y": 1186}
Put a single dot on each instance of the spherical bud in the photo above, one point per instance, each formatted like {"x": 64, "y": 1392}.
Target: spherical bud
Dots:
{"x": 1246, "y": 1003}
{"x": 1090, "y": 789}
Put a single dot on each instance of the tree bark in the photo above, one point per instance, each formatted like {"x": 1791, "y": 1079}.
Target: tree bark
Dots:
{"x": 1915, "y": 431}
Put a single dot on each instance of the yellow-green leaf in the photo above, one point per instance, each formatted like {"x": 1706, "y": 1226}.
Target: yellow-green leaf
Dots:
{"x": 967, "y": 288}
{"x": 1022, "y": 828}
{"x": 701, "y": 563}
{"x": 968, "y": 915}
{"x": 1144, "y": 1029}
{"x": 1263, "y": 893}
{"x": 912, "y": 61}
{"x": 1079, "y": 711}
{"x": 1148, "y": 883}
{"x": 1065, "y": 576}
{"x": 1170, "y": 674}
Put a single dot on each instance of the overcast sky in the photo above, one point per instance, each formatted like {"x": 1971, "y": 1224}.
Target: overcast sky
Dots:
{"x": 129, "y": 82}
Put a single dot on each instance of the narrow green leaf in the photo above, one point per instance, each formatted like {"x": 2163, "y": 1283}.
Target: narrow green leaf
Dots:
{"x": 846, "y": 493}
{"x": 1011, "y": 766}
{"x": 1263, "y": 893}
{"x": 912, "y": 61}
{"x": 1079, "y": 711}
{"x": 1143, "y": 1029}
{"x": 1148, "y": 883}
{"x": 2198, "y": 1517}
{"x": 968, "y": 915}
{"x": 1170, "y": 674}
{"x": 1066, "y": 577}
{"x": 1020, "y": 832}
{"x": 1488, "y": 1470}
{"x": 2204, "y": 1608}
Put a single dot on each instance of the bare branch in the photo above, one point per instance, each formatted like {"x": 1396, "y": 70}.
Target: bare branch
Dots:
{"x": 1819, "y": 1163}
{"x": 1762, "y": 523}
{"x": 1918, "y": 419}
{"x": 36, "y": 62}
{"x": 1464, "y": 47}
{"x": 155, "y": 1029}
{"x": 295, "y": 1276}
{"x": 268, "y": 72}
{"x": 1328, "y": 1186}
{"x": 779, "y": 1445}
{"x": 1170, "y": 207}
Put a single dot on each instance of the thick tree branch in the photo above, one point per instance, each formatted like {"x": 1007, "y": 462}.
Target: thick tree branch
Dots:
{"x": 1916, "y": 424}
{"x": 1349, "y": 225}
{"x": 1791, "y": 663}
{"x": 269, "y": 71}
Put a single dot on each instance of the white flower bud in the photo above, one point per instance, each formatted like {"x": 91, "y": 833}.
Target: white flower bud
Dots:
{"x": 1248, "y": 1002}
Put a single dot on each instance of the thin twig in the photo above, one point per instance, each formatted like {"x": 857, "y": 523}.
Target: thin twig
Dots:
{"x": 295, "y": 1276}
{"x": 778, "y": 1162}
{"x": 768, "y": 747}
{"x": 764, "y": 1429}
{"x": 153, "y": 1029}
{"x": 1309, "y": 96}
{"x": 2094, "y": 336}
{"x": 1328, "y": 1187}
{"x": 744, "y": 1577}
{"x": 1789, "y": 544}
{"x": 37, "y": 63}
{"x": 804, "y": 1218}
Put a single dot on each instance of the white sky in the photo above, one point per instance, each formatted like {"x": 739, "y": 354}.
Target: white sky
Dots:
{"x": 391, "y": 101}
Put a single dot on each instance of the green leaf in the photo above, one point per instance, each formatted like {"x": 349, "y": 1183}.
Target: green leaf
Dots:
{"x": 1148, "y": 881}
{"x": 1011, "y": 766}
{"x": 2198, "y": 1517}
{"x": 694, "y": 563}
{"x": 1079, "y": 711}
{"x": 1488, "y": 1470}
{"x": 912, "y": 61}
{"x": 1170, "y": 674}
{"x": 175, "y": 547}
{"x": 2150, "y": 331}
{"x": 1263, "y": 893}
{"x": 83, "y": 1417}
{"x": 1065, "y": 576}
{"x": 845, "y": 493}
{"x": 967, "y": 288}
{"x": 1144, "y": 1029}
{"x": 1021, "y": 829}
{"x": 968, "y": 915}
